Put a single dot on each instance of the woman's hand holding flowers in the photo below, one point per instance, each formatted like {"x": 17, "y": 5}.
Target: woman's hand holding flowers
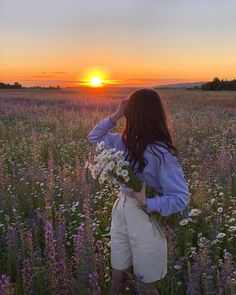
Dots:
{"x": 141, "y": 196}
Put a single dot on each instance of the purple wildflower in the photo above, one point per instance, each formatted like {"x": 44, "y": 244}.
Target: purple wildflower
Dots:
{"x": 27, "y": 277}
{"x": 51, "y": 254}
{"x": 138, "y": 288}
{"x": 226, "y": 272}
{"x": 78, "y": 248}
{"x": 6, "y": 287}
{"x": 89, "y": 236}
{"x": 94, "y": 288}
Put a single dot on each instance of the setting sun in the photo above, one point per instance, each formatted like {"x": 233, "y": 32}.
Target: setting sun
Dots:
{"x": 95, "y": 77}
{"x": 96, "y": 82}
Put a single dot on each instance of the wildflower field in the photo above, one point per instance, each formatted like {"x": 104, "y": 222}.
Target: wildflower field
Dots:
{"x": 55, "y": 219}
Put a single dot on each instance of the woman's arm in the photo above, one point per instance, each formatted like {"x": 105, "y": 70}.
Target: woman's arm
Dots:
{"x": 175, "y": 194}
{"x": 101, "y": 132}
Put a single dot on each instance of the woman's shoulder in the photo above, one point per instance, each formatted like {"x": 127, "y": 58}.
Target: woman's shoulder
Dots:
{"x": 160, "y": 156}
{"x": 160, "y": 152}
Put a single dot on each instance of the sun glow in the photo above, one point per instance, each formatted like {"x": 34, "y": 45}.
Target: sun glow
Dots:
{"x": 95, "y": 78}
{"x": 96, "y": 82}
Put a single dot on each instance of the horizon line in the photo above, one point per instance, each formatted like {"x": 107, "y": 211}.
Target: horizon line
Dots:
{"x": 136, "y": 82}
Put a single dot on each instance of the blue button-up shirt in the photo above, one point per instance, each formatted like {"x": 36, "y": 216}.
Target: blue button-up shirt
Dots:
{"x": 167, "y": 177}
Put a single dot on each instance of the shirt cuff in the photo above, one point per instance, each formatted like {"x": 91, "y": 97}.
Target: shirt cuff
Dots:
{"x": 153, "y": 204}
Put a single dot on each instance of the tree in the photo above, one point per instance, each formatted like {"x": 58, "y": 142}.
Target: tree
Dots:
{"x": 218, "y": 85}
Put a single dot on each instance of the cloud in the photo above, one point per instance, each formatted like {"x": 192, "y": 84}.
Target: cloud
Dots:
{"x": 51, "y": 80}
{"x": 42, "y": 76}
{"x": 157, "y": 79}
{"x": 60, "y": 73}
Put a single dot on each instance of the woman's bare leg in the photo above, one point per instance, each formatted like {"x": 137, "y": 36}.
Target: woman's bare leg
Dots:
{"x": 119, "y": 280}
{"x": 150, "y": 289}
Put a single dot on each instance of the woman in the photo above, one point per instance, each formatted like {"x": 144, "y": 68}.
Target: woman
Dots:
{"x": 135, "y": 243}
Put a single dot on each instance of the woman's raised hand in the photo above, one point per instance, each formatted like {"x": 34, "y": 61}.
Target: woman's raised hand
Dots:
{"x": 121, "y": 106}
{"x": 119, "y": 113}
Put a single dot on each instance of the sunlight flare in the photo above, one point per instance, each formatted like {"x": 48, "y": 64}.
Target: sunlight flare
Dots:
{"x": 96, "y": 78}
{"x": 96, "y": 82}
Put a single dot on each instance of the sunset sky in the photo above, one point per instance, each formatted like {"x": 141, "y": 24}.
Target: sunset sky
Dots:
{"x": 132, "y": 42}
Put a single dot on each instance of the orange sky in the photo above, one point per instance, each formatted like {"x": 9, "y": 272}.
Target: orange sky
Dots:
{"x": 132, "y": 42}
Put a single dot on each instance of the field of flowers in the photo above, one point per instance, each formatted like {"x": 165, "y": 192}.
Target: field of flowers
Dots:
{"x": 55, "y": 219}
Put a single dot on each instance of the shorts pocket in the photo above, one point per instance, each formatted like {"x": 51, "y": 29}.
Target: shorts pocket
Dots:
{"x": 151, "y": 225}
{"x": 114, "y": 205}
{"x": 161, "y": 229}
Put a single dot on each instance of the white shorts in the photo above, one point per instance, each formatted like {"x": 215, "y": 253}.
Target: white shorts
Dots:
{"x": 136, "y": 241}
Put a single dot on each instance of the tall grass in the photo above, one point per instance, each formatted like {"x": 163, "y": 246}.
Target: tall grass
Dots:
{"x": 54, "y": 221}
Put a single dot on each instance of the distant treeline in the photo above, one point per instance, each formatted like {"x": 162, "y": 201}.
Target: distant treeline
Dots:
{"x": 218, "y": 85}
{"x": 17, "y": 85}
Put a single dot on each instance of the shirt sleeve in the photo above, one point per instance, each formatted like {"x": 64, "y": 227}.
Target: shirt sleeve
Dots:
{"x": 175, "y": 194}
{"x": 100, "y": 132}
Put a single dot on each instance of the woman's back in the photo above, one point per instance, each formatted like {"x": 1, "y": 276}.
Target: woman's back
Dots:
{"x": 135, "y": 240}
{"x": 166, "y": 176}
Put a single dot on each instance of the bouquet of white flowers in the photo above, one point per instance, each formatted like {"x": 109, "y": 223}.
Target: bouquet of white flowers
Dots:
{"x": 109, "y": 167}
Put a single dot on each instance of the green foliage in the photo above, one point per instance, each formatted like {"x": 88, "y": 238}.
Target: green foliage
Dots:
{"x": 218, "y": 84}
